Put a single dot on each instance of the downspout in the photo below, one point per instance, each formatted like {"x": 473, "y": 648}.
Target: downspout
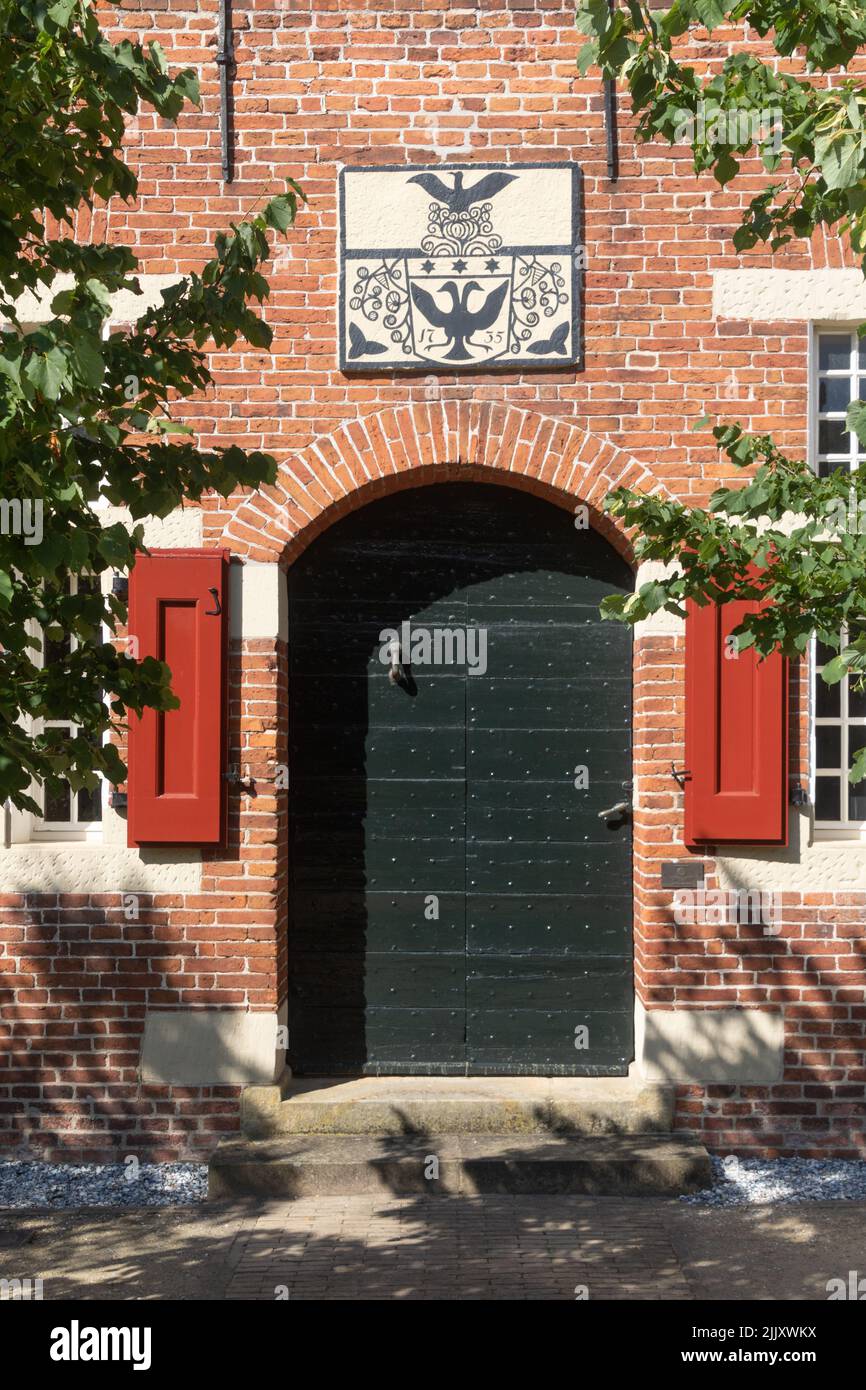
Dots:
{"x": 226, "y": 62}
{"x": 610, "y": 121}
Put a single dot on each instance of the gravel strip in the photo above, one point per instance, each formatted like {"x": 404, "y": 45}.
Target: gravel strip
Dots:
{"x": 736, "y": 1182}
{"x": 740, "y": 1182}
{"x": 60, "y": 1185}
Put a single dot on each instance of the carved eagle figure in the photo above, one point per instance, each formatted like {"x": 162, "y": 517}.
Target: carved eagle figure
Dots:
{"x": 459, "y": 322}
{"x": 458, "y": 198}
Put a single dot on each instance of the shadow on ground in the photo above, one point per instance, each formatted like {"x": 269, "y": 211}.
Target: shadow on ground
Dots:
{"x": 372, "y": 1247}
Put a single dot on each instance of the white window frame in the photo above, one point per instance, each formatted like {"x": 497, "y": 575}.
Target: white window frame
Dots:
{"x": 843, "y": 829}
{"x": 23, "y": 827}
{"x": 40, "y": 830}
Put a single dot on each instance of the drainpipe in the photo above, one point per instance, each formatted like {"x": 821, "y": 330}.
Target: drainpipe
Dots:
{"x": 225, "y": 61}
{"x": 610, "y": 121}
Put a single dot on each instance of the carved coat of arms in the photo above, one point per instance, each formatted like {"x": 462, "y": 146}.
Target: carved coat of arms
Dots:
{"x": 459, "y": 266}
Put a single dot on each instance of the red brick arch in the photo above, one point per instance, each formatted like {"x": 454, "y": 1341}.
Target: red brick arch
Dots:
{"x": 413, "y": 445}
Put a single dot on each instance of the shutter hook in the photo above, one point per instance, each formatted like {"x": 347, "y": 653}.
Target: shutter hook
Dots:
{"x": 214, "y": 612}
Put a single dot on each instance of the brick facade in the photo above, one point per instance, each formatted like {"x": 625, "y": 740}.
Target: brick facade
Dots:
{"x": 317, "y": 88}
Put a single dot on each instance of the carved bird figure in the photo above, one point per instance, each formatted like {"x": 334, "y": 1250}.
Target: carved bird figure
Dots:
{"x": 458, "y": 198}
{"x": 459, "y": 322}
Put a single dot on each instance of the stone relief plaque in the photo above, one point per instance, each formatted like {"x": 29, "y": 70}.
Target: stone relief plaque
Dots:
{"x": 459, "y": 267}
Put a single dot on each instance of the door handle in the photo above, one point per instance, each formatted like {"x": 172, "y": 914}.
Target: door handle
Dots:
{"x": 396, "y": 674}
{"x": 214, "y": 612}
{"x": 622, "y": 808}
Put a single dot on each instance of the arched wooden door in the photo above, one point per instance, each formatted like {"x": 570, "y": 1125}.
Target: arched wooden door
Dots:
{"x": 456, "y": 903}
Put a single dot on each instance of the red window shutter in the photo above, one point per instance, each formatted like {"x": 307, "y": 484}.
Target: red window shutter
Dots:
{"x": 178, "y": 601}
{"x": 736, "y": 734}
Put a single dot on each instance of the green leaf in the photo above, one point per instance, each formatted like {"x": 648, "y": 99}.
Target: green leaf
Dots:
{"x": 164, "y": 426}
{"x": 87, "y": 360}
{"x": 838, "y": 159}
{"x": 587, "y": 57}
{"x": 99, "y": 293}
{"x": 63, "y": 302}
{"x": 710, "y": 12}
{"x": 856, "y": 419}
{"x": 653, "y": 596}
{"x": 280, "y": 212}
{"x": 46, "y": 373}
{"x": 858, "y": 766}
{"x": 10, "y": 363}
{"x": 726, "y": 168}
{"x": 62, "y": 11}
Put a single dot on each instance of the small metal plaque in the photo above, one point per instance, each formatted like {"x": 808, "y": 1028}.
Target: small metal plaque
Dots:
{"x": 683, "y": 873}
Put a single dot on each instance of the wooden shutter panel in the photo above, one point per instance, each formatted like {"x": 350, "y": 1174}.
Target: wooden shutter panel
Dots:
{"x": 736, "y": 734}
{"x": 178, "y": 601}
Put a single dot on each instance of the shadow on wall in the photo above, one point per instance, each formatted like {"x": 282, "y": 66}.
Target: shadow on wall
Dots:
{"x": 72, "y": 1017}
{"x": 784, "y": 956}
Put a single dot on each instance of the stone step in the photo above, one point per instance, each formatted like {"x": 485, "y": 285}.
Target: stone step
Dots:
{"x": 424, "y": 1105}
{"x": 312, "y": 1165}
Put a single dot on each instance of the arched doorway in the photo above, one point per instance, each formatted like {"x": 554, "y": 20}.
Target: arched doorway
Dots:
{"x": 456, "y": 904}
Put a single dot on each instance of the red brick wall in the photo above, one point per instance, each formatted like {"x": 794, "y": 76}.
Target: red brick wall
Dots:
{"x": 78, "y": 973}
{"x": 77, "y": 979}
{"x": 354, "y": 82}
{"x": 811, "y": 965}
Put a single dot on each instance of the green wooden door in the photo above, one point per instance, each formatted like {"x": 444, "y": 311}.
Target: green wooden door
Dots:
{"x": 456, "y": 905}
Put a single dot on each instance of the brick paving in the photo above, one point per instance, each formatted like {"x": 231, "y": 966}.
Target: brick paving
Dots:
{"x": 455, "y": 1248}
{"x": 381, "y": 1247}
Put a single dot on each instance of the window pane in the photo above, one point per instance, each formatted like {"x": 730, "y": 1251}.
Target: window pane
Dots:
{"x": 857, "y": 792}
{"x": 834, "y": 393}
{"x": 834, "y": 352}
{"x": 823, "y": 653}
{"x": 856, "y": 702}
{"x": 89, "y": 805}
{"x": 856, "y": 741}
{"x": 57, "y": 799}
{"x": 828, "y": 746}
{"x": 861, "y": 353}
{"x": 826, "y": 467}
{"x": 55, "y": 649}
{"x": 827, "y": 798}
{"x": 826, "y": 700}
{"x": 833, "y": 437}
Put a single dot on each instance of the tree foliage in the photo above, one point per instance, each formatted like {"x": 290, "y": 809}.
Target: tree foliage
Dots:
{"x": 85, "y": 418}
{"x": 782, "y": 534}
